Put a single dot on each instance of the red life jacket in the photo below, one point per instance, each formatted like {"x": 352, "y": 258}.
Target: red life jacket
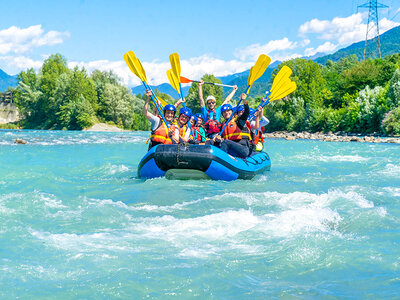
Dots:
{"x": 212, "y": 126}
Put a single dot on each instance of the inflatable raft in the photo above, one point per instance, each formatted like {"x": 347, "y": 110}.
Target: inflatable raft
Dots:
{"x": 200, "y": 162}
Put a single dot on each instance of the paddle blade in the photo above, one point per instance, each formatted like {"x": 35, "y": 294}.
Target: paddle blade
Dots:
{"x": 286, "y": 91}
{"x": 185, "y": 80}
{"x": 173, "y": 80}
{"x": 162, "y": 101}
{"x": 284, "y": 73}
{"x": 134, "y": 65}
{"x": 278, "y": 87}
{"x": 259, "y": 68}
{"x": 175, "y": 65}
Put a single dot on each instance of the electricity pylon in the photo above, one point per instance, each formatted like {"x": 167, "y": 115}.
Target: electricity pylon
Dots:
{"x": 372, "y": 35}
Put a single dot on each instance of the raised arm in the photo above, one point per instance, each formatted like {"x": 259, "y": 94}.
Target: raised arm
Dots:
{"x": 201, "y": 94}
{"x": 230, "y": 96}
{"x": 259, "y": 115}
{"x": 145, "y": 110}
{"x": 179, "y": 102}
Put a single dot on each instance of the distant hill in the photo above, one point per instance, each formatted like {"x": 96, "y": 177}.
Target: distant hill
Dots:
{"x": 390, "y": 44}
{"x": 7, "y": 81}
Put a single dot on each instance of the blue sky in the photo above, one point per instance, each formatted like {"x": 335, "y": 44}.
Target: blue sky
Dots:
{"x": 219, "y": 37}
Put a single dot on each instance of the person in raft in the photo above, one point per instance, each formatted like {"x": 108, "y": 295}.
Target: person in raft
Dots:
{"x": 198, "y": 131}
{"x": 236, "y": 138}
{"x": 257, "y": 123}
{"x": 181, "y": 130}
{"x": 211, "y": 112}
{"x": 160, "y": 134}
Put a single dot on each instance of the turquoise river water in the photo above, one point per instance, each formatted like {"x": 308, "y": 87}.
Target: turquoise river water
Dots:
{"x": 77, "y": 223}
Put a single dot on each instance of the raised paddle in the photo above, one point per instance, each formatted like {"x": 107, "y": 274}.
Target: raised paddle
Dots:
{"x": 256, "y": 72}
{"x": 284, "y": 73}
{"x": 276, "y": 95}
{"x": 281, "y": 79}
{"x": 136, "y": 67}
{"x": 176, "y": 69}
{"x": 186, "y": 80}
{"x": 174, "y": 78}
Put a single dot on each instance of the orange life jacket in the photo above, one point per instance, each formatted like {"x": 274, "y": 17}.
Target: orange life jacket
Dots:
{"x": 160, "y": 135}
{"x": 233, "y": 132}
{"x": 182, "y": 130}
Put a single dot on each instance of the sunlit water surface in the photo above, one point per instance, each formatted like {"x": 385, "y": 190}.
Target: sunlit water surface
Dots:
{"x": 76, "y": 222}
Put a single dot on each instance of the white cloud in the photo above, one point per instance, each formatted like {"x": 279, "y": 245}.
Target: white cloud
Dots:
{"x": 21, "y": 62}
{"x": 343, "y": 31}
{"x": 20, "y": 40}
{"x": 326, "y": 47}
{"x": 305, "y": 42}
{"x": 254, "y": 50}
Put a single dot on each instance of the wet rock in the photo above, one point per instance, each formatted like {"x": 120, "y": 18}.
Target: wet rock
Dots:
{"x": 20, "y": 141}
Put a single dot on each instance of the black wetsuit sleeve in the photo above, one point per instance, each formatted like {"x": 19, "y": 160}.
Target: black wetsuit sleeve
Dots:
{"x": 241, "y": 122}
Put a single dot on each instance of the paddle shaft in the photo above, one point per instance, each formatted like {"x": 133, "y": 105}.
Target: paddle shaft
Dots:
{"x": 214, "y": 83}
{"x": 155, "y": 101}
{"x": 262, "y": 104}
{"x": 184, "y": 105}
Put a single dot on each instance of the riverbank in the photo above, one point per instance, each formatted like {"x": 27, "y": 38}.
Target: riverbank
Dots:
{"x": 332, "y": 137}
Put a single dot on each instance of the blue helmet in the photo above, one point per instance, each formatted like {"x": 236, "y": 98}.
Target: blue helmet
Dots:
{"x": 226, "y": 107}
{"x": 170, "y": 107}
{"x": 186, "y": 111}
{"x": 199, "y": 115}
{"x": 240, "y": 108}
{"x": 195, "y": 119}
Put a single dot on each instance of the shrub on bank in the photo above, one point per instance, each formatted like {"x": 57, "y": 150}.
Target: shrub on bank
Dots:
{"x": 391, "y": 122}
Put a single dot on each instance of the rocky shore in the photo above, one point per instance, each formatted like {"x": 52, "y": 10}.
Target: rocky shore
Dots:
{"x": 332, "y": 137}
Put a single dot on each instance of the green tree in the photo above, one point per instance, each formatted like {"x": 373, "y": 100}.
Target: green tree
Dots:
{"x": 373, "y": 106}
{"x": 100, "y": 79}
{"x": 391, "y": 122}
{"x": 76, "y": 114}
{"x": 394, "y": 90}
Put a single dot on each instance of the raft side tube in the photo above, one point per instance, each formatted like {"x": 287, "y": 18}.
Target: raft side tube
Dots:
{"x": 210, "y": 160}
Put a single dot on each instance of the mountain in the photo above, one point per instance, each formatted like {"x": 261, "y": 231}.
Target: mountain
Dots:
{"x": 390, "y": 44}
{"x": 7, "y": 81}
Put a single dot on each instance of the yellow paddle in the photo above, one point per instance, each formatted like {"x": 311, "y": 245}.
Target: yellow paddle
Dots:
{"x": 284, "y": 91}
{"x": 257, "y": 70}
{"x": 283, "y": 74}
{"x": 173, "y": 80}
{"x": 136, "y": 67}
